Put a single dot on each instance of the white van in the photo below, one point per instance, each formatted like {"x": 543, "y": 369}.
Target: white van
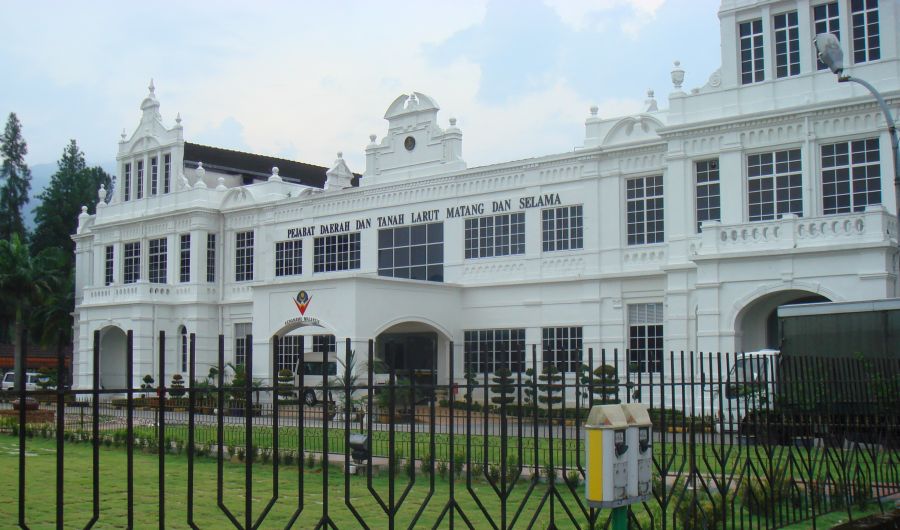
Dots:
{"x": 314, "y": 369}
{"x": 9, "y": 381}
{"x": 750, "y": 387}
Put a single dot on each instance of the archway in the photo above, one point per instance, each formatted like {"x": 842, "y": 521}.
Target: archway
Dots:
{"x": 757, "y": 323}
{"x": 412, "y": 349}
{"x": 113, "y": 342}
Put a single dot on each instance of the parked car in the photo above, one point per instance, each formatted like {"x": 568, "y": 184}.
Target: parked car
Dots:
{"x": 9, "y": 381}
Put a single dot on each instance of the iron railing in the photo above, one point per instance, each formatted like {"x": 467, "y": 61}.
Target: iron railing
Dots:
{"x": 764, "y": 445}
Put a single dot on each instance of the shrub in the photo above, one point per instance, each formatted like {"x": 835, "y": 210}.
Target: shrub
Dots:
{"x": 458, "y": 462}
{"x": 862, "y": 492}
{"x": 760, "y": 495}
{"x": 394, "y": 463}
{"x": 705, "y": 514}
{"x": 285, "y": 382}
{"x": 288, "y": 458}
{"x": 147, "y": 385}
{"x": 442, "y": 469}
{"x": 494, "y": 473}
{"x": 427, "y": 463}
{"x": 550, "y": 473}
{"x": 573, "y": 478}
{"x": 177, "y": 388}
{"x": 310, "y": 460}
{"x": 476, "y": 469}
{"x": 240, "y": 454}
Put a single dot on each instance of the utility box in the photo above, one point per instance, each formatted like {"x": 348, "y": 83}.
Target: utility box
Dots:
{"x": 606, "y": 455}
{"x": 639, "y": 439}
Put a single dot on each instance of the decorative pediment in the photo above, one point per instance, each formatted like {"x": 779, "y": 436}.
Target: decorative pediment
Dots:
{"x": 633, "y": 129}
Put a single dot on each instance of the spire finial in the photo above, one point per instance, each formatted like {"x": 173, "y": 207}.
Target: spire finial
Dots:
{"x": 152, "y": 87}
{"x": 178, "y": 118}
{"x": 124, "y": 135}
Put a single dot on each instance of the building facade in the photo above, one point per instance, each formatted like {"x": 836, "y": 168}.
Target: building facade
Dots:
{"x": 677, "y": 229}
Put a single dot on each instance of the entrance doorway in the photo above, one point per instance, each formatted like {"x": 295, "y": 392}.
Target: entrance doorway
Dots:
{"x": 411, "y": 355}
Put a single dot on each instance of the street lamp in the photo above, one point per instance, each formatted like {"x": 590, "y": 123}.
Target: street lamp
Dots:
{"x": 829, "y": 51}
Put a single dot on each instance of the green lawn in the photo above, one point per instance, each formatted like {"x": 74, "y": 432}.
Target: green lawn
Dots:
{"x": 40, "y": 495}
{"x": 710, "y": 458}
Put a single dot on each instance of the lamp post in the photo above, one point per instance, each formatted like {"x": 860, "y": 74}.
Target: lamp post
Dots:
{"x": 828, "y": 48}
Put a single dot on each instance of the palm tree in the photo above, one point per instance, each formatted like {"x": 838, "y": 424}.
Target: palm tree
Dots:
{"x": 52, "y": 319}
{"x": 24, "y": 282}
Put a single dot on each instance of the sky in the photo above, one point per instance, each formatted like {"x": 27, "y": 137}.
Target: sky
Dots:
{"x": 304, "y": 80}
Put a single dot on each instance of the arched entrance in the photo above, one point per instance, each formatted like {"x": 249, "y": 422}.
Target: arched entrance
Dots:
{"x": 309, "y": 346}
{"x": 113, "y": 342}
{"x": 411, "y": 350}
{"x": 757, "y": 323}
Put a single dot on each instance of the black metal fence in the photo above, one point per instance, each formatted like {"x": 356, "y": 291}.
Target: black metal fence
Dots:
{"x": 739, "y": 442}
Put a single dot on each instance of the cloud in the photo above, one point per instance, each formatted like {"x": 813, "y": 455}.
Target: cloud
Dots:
{"x": 308, "y": 80}
{"x": 630, "y": 15}
{"x": 228, "y": 133}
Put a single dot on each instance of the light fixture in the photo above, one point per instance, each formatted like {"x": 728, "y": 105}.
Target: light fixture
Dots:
{"x": 828, "y": 48}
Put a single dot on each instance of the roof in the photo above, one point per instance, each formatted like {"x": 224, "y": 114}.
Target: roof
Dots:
{"x": 255, "y": 167}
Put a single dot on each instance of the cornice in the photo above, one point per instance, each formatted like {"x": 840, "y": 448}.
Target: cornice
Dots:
{"x": 774, "y": 117}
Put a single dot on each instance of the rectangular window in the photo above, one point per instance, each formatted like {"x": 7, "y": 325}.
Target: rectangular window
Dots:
{"x": 184, "y": 349}
{"x": 708, "y": 199}
{"x": 339, "y": 252}
{"x": 324, "y": 344}
{"x": 126, "y": 183}
{"x": 415, "y": 252}
{"x": 851, "y": 176}
{"x": 243, "y": 256}
{"x": 167, "y": 172}
{"x": 489, "y": 350}
{"x": 866, "y": 39}
{"x": 562, "y": 228}
{"x": 184, "y": 259}
{"x": 826, "y": 20}
{"x": 154, "y": 176}
{"x": 645, "y": 337}
{"x": 108, "y": 268}
{"x": 241, "y": 332}
{"x": 787, "y": 44}
{"x": 140, "y": 180}
{"x": 752, "y": 62}
{"x": 496, "y": 235}
{"x": 562, "y": 349}
{"x": 774, "y": 185}
{"x": 289, "y": 353}
{"x": 644, "y": 206}
{"x": 132, "y": 262}
{"x": 210, "y": 258}
{"x": 289, "y": 257}
{"x": 157, "y": 261}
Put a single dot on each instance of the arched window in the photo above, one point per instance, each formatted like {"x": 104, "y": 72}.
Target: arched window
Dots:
{"x": 182, "y": 331}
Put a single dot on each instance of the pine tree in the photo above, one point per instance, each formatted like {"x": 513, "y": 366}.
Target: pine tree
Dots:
{"x": 15, "y": 179}
{"x": 72, "y": 186}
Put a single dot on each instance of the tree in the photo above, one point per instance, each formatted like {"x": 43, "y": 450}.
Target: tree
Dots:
{"x": 503, "y": 387}
{"x": 15, "y": 179}
{"x": 603, "y": 382}
{"x": 51, "y": 321}
{"x": 24, "y": 282}
{"x": 72, "y": 186}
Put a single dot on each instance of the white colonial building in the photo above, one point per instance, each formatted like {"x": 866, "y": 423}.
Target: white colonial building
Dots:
{"x": 678, "y": 228}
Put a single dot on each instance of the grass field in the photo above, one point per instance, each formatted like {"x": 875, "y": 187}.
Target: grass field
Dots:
{"x": 41, "y": 501}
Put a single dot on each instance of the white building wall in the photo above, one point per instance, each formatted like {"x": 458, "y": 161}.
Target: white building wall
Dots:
{"x": 715, "y": 286}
